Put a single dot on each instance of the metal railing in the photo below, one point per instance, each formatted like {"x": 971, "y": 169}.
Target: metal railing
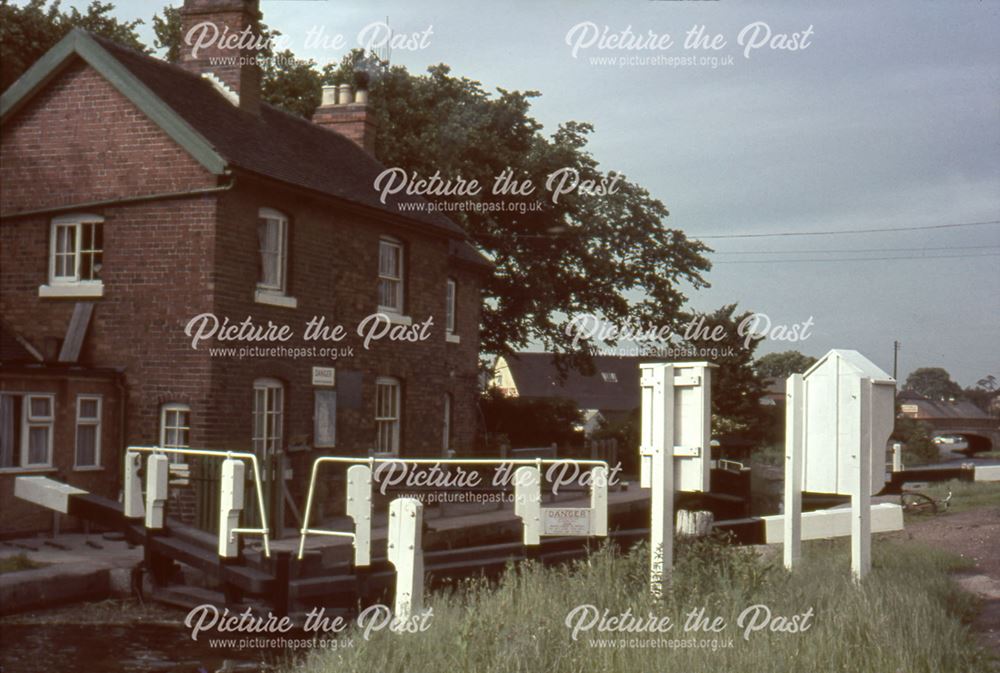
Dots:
{"x": 238, "y": 455}
{"x": 371, "y": 461}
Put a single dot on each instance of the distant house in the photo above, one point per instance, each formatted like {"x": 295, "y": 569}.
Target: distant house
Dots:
{"x": 138, "y": 194}
{"x": 958, "y": 417}
{"x": 610, "y": 394}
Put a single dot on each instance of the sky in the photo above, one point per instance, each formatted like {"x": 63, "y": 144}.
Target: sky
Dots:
{"x": 887, "y": 116}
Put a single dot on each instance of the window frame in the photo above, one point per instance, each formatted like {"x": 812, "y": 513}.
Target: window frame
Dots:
{"x": 97, "y": 423}
{"x": 268, "y": 444}
{"x": 395, "y": 421}
{"x": 72, "y": 285}
{"x": 281, "y": 288}
{"x": 451, "y": 306}
{"x": 446, "y": 430}
{"x": 179, "y": 408}
{"x": 28, "y": 422}
{"x": 400, "y": 280}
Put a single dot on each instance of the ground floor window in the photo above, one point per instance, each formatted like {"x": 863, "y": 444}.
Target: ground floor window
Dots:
{"x": 88, "y": 431}
{"x": 175, "y": 429}
{"x": 268, "y": 416}
{"x": 387, "y": 415}
{"x": 446, "y": 430}
{"x": 26, "y": 422}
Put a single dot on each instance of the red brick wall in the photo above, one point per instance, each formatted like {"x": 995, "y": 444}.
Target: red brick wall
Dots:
{"x": 333, "y": 273}
{"x": 80, "y": 140}
{"x": 19, "y": 516}
{"x": 165, "y": 262}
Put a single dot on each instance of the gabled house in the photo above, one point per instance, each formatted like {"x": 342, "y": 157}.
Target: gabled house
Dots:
{"x": 139, "y": 195}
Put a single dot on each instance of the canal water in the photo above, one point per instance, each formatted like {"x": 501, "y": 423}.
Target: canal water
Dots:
{"x": 123, "y": 648}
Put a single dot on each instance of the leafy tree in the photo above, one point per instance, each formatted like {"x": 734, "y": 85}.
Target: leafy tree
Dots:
{"x": 168, "y": 33}
{"x": 736, "y": 385}
{"x": 531, "y": 422}
{"x": 782, "y": 365}
{"x": 918, "y": 446}
{"x": 933, "y": 383}
{"x": 985, "y": 394}
{"x": 583, "y": 254}
{"x": 28, "y": 31}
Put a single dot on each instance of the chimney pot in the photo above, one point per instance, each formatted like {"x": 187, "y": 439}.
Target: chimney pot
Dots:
{"x": 329, "y": 94}
{"x": 361, "y": 96}
{"x": 344, "y": 95}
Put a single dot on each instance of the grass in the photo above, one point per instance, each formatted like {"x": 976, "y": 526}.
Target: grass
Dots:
{"x": 906, "y": 616}
{"x": 965, "y": 495}
{"x": 12, "y": 564}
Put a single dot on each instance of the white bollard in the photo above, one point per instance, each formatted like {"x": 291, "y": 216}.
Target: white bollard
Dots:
{"x": 599, "y": 501}
{"x": 897, "y": 457}
{"x": 794, "y": 407}
{"x": 405, "y": 552}
{"x": 157, "y": 473}
{"x": 528, "y": 502}
{"x": 861, "y": 499}
{"x": 359, "y": 508}
{"x": 657, "y": 452}
{"x": 133, "y": 486}
{"x": 230, "y": 505}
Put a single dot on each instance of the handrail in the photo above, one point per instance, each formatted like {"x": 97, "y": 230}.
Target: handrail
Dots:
{"x": 242, "y": 455}
{"x": 371, "y": 461}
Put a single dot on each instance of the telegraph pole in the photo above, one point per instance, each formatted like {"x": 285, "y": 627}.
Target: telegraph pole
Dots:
{"x": 895, "y": 359}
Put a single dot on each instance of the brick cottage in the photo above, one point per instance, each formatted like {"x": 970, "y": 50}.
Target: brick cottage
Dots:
{"x": 138, "y": 194}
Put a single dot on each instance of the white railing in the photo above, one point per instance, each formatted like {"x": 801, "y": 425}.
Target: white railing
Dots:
{"x": 359, "y": 482}
{"x": 231, "y": 485}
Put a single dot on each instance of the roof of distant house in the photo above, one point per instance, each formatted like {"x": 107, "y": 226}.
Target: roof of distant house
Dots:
{"x": 614, "y": 385}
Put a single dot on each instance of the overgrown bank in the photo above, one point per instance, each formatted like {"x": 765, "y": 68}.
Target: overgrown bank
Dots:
{"x": 907, "y": 616}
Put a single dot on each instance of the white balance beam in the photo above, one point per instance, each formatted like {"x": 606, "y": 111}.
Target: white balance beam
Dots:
{"x": 46, "y": 492}
{"x": 829, "y": 523}
{"x": 987, "y": 472}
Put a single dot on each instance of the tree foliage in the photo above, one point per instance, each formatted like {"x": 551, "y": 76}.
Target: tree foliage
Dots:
{"x": 933, "y": 383}
{"x": 530, "y": 422}
{"x": 28, "y": 31}
{"x": 782, "y": 365}
{"x": 736, "y": 386}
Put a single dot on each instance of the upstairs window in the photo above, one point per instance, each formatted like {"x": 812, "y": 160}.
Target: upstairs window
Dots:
{"x": 76, "y": 256}
{"x": 609, "y": 377}
{"x": 272, "y": 239}
{"x": 390, "y": 276}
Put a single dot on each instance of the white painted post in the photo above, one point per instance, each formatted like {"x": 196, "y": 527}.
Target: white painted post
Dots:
{"x": 133, "y": 486}
{"x": 657, "y": 450}
{"x": 405, "y": 552}
{"x": 528, "y": 502}
{"x": 861, "y": 523}
{"x": 794, "y": 406}
{"x": 897, "y": 457}
{"x": 157, "y": 469}
{"x": 230, "y": 505}
{"x": 599, "y": 501}
{"x": 359, "y": 508}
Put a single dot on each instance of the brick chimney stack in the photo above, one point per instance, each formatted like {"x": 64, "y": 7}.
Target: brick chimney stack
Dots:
{"x": 228, "y": 32}
{"x": 347, "y": 112}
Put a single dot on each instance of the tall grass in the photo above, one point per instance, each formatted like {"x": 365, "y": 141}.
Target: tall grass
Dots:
{"x": 905, "y": 617}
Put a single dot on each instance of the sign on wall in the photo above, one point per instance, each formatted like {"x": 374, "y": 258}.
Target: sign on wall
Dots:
{"x": 324, "y": 376}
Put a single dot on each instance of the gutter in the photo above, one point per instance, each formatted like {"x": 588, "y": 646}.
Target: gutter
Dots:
{"x": 123, "y": 200}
